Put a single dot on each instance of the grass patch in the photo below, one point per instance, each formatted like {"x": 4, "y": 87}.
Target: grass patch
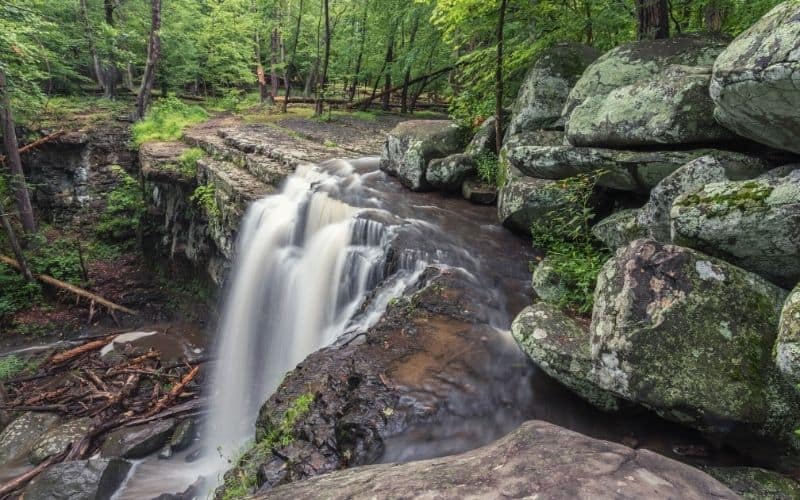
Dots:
{"x": 187, "y": 161}
{"x": 234, "y": 100}
{"x": 72, "y": 111}
{"x": 166, "y": 119}
{"x": 13, "y": 366}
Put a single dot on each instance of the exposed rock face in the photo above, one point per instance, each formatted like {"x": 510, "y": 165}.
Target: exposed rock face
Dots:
{"x": 629, "y": 63}
{"x": 538, "y": 460}
{"x": 753, "y": 224}
{"x": 56, "y": 439}
{"x": 138, "y": 441}
{"x": 688, "y": 335}
{"x": 560, "y": 347}
{"x": 411, "y": 145}
{"x": 448, "y": 173}
{"x": 620, "y": 228}
{"x": 694, "y": 175}
{"x": 484, "y": 140}
{"x": 671, "y": 108}
{"x": 753, "y": 483}
{"x": 755, "y": 84}
{"x": 525, "y": 199}
{"x": 79, "y": 480}
{"x": 22, "y": 434}
{"x": 787, "y": 349}
{"x": 547, "y": 85}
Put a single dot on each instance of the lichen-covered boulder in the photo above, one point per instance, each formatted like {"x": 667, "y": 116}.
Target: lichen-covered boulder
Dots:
{"x": 755, "y": 224}
{"x": 525, "y": 199}
{"x": 671, "y": 108}
{"x": 560, "y": 347}
{"x": 79, "y": 480}
{"x": 754, "y": 483}
{"x": 755, "y": 82}
{"x": 689, "y": 336}
{"x": 620, "y": 228}
{"x": 654, "y": 215}
{"x": 484, "y": 141}
{"x": 138, "y": 441}
{"x": 546, "y": 282}
{"x": 411, "y": 145}
{"x": 626, "y": 170}
{"x": 58, "y": 438}
{"x": 547, "y": 85}
{"x": 449, "y": 173}
{"x": 787, "y": 348}
{"x": 535, "y": 138}
{"x": 631, "y": 62}
{"x": 22, "y": 434}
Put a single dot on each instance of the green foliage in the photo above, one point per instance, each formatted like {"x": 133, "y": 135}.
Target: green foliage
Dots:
{"x": 166, "y": 119}
{"x": 489, "y": 168}
{"x": 16, "y": 294}
{"x": 187, "y": 161}
{"x": 12, "y": 366}
{"x": 124, "y": 208}
{"x": 205, "y": 197}
{"x": 565, "y": 236}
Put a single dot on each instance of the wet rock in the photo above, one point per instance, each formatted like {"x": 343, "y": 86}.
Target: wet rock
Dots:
{"x": 691, "y": 337}
{"x": 138, "y": 441}
{"x": 546, "y": 283}
{"x": 753, "y": 483}
{"x": 671, "y": 108}
{"x": 23, "y": 433}
{"x": 787, "y": 349}
{"x": 631, "y": 62}
{"x": 184, "y": 435}
{"x": 525, "y": 199}
{"x": 753, "y": 224}
{"x": 56, "y": 439}
{"x": 620, "y": 228}
{"x": 448, "y": 173}
{"x": 626, "y": 170}
{"x": 411, "y": 145}
{"x": 479, "y": 192}
{"x": 755, "y": 80}
{"x": 560, "y": 347}
{"x": 654, "y": 215}
{"x": 547, "y": 85}
{"x": 484, "y": 140}
{"x": 536, "y": 460}
{"x": 79, "y": 480}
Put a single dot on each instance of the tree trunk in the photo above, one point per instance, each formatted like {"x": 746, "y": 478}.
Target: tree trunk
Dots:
{"x": 98, "y": 72}
{"x": 17, "y": 178}
{"x": 498, "y": 89}
{"x": 293, "y": 54}
{"x": 407, "y": 76}
{"x": 273, "y": 63}
{"x": 387, "y": 82}
{"x": 153, "y": 54}
{"x": 260, "y": 76}
{"x": 15, "y": 247}
{"x": 714, "y": 15}
{"x": 652, "y": 19}
{"x": 360, "y": 56}
{"x": 110, "y": 72}
{"x": 318, "y": 105}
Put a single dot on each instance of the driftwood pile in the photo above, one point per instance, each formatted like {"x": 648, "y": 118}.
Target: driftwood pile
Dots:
{"x": 124, "y": 391}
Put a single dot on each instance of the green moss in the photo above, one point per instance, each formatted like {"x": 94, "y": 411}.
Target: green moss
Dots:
{"x": 166, "y": 120}
{"x": 205, "y": 197}
{"x": 750, "y": 195}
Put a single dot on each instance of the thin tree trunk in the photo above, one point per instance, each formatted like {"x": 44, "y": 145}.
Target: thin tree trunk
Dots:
{"x": 365, "y": 103}
{"x": 387, "y": 82}
{"x": 153, "y": 54}
{"x": 652, "y": 19}
{"x": 273, "y": 62}
{"x": 260, "y": 76}
{"x": 17, "y": 178}
{"x": 498, "y": 109}
{"x": 128, "y": 77}
{"x": 360, "y": 56}
{"x": 16, "y": 247}
{"x": 319, "y": 104}
{"x": 407, "y": 76}
{"x": 293, "y": 54}
{"x": 110, "y": 73}
{"x": 98, "y": 72}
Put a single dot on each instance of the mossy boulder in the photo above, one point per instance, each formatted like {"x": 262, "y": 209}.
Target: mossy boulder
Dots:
{"x": 93, "y": 479}
{"x": 525, "y": 199}
{"x": 559, "y": 345}
{"x": 787, "y": 349}
{"x": 631, "y": 62}
{"x": 691, "y": 337}
{"x": 21, "y": 435}
{"x": 411, "y": 145}
{"x": 755, "y": 80}
{"x": 671, "y": 108}
{"x": 754, "y": 483}
{"x": 546, "y": 282}
{"x": 654, "y": 215}
{"x": 547, "y": 85}
{"x": 620, "y": 228}
{"x": 755, "y": 224}
{"x": 56, "y": 439}
{"x": 484, "y": 141}
{"x": 449, "y": 173}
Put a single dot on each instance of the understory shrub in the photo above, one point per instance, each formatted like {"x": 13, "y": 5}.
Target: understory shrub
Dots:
{"x": 124, "y": 208}
{"x": 166, "y": 119}
{"x": 489, "y": 169}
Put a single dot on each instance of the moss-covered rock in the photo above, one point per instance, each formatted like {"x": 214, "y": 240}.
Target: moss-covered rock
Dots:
{"x": 411, "y": 145}
{"x": 755, "y": 224}
{"x": 753, "y": 483}
{"x": 560, "y": 347}
{"x": 755, "y": 81}
{"x": 691, "y": 337}
{"x": 620, "y": 228}
{"x": 671, "y": 108}
{"x": 631, "y": 62}
{"x": 56, "y": 439}
{"x": 525, "y": 199}
{"x": 787, "y": 349}
{"x": 484, "y": 140}
{"x": 547, "y": 85}
{"x": 23, "y": 433}
{"x": 546, "y": 282}
{"x": 449, "y": 173}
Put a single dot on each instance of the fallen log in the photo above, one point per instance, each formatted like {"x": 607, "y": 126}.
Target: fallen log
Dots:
{"x": 365, "y": 103}
{"x": 57, "y": 359}
{"x": 173, "y": 393}
{"x": 37, "y": 143}
{"x": 80, "y": 292}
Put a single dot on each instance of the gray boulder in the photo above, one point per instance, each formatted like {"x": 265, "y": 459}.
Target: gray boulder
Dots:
{"x": 95, "y": 479}
{"x": 654, "y": 215}
{"x": 448, "y": 173}
{"x": 753, "y": 224}
{"x": 478, "y": 192}
{"x": 58, "y": 438}
{"x": 484, "y": 140}
{"x": 535, "y": 138}
{"x": 755, "y": 81}
{"x": 620, "y": 228}
{"x": 538, "y": 460}
{"x": 547, "y": 85}
{"x": 21, "y": 435}
{"x": 138, "y": 441}
{"x": 560, "y": 346}
{"x": 629, "y": 63}
{"x": 411, "y": 145}
{"x": 670, "y": 108}
{"x": 525, "y": 199}
{"x": 691, "y": 337}
{"x": 546, "y": 282}
{"x": 787, "y": 348}
{"x": 754, "y": 483}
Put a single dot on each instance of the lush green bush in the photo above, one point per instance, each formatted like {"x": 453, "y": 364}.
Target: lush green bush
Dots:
{"x": 572, "y": 250}
{"x": 166, "y": 119}
{"x": 187, "y": 161}
{"x": 489, "y": 169}
{"x": 12, "y": 366}
{"x": 124, "y": 208}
